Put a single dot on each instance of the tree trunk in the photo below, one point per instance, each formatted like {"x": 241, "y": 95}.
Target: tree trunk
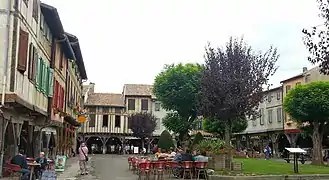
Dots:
{"x": 317, "y": 144}
{"x": 142, "y": 143}
{"x": 228, "y": 129}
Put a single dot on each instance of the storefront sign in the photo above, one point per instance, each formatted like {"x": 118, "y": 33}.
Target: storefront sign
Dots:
{"x": 60, "y": 163}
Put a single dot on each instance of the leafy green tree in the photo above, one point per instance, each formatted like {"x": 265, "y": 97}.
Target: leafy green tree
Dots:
{"x": 309, "y": 104}
{"x": 232, "y": 83}
{"x": 165, "y": 141}
{"x": 178, "y": 89}
{"x": 218, "y": 127}
{"x": 197, "y": 139}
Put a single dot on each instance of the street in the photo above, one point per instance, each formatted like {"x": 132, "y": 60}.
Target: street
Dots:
{"x": 102, "y": 167}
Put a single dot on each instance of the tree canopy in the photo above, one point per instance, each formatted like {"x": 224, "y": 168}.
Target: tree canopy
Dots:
{"x": 232, "y": 82}
{"x": 178, "y": 89}
{"x": 316, "y": 40}
{"x": 142, "y": 124}
{"x": 309, "y": 104}
{"x": 165, "y": 141}
{"x": 217, "y": 127}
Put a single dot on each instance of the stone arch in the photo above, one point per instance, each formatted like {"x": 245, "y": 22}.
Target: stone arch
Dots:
{"x": 97, "y": 141}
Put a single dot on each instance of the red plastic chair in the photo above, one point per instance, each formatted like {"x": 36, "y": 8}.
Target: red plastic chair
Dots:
{"x": 144, "y": 168}
{"x": 159, "y": 168}
{"x": 201, "y": 167}
{"x": 173, "y": 166}
{"x": 187, "y": 168}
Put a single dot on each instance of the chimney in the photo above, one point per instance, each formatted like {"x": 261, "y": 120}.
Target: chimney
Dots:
{"x": 91, "y": 87}
{"x": 304, "y": 69}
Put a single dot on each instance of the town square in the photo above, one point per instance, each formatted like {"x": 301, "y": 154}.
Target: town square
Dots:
{"x": 164, "y": 89}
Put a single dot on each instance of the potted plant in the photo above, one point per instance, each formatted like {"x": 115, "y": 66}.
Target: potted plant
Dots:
{"x": 216, "y": 151}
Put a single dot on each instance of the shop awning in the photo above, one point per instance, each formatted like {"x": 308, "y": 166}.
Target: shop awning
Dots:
{"x": 72, "y": 121}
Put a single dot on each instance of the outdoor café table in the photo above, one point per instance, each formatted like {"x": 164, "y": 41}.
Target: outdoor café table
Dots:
{"x": 32, "y": 165}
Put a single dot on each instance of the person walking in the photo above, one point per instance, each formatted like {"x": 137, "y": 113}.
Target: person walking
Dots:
{"x": 83, "y": 158}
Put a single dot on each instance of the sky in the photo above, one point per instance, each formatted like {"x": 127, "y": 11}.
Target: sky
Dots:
{"x": 130, "y": 41}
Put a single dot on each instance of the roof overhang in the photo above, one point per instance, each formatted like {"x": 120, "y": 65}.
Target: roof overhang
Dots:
{"x": 54, "y": 23}
{"x": 74, "y": 41}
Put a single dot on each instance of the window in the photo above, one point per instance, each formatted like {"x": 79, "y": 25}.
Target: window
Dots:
{"x": 35, "y": 11}
{"x": 117, "y": 121}
{"x": 92, "y": 109}
{"x": 261, "y": 112}
{"x": 269, "y": 97}
{"x": 131, "y": 104}
{"x": 105, "y": 120}
{"x": 278, "y": 95}
{"x": 288, "y": 87}
{"x": 92, "y": 121}
{"x": 22, "y": 51}
{"x": 30, "y": 68}
{"x": 270, "y": 115}
{"x": 145, "y": 104}
{"x": 117, "y": 110}
{"x": 157, "y": 106}
{"x": 279, "y": 114}
{"x": 157, "y": 127}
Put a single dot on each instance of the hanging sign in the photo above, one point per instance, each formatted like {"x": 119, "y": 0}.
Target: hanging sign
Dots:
{"x": 82, "y": 119}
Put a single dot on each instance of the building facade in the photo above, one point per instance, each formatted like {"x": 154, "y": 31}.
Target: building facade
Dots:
{"x": 25, "y": 71}
{"x": 33, "y": 86}
{"x": 269, "y": 125}
{"x": 307, "y": 76}
{"x": 108, "y": 116}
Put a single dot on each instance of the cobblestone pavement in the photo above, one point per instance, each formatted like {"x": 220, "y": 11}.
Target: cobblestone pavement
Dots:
{"x": 101, "y": 167}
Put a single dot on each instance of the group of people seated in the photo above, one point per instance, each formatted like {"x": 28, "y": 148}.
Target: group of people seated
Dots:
{"x": 20, "y": 160}
{"x": 181, "y": 155}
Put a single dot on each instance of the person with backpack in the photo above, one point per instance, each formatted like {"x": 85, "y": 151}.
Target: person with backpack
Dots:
{"x": 83, "y": 158}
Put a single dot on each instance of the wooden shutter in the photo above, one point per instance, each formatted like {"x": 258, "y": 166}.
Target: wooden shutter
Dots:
{"x": 38, "y": 74}
{"x": 55, "y": 96}
{"x": 51, "y": 82}
{"x": 62, "y": 98}
{"x": 31, "y": 58}
{"x": 35, "y": 61}
{"x": 41, "y": 77}
{"x": 22, "y": 51}
{"x": 46, "y": 75}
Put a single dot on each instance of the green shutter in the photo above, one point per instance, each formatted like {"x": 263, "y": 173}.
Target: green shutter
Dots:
{"x": 51, "y": 82}
{"x": 42, "y": 77}
{"x": 46, "y": 75}
{"x": 38, "y": 74}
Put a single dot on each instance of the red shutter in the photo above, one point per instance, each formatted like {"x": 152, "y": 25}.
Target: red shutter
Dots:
{"x": 55, "y": 96}
{"x": 59, "y": 99}
{"x": 22, "y": 50}
{"x": 62, "y": 98}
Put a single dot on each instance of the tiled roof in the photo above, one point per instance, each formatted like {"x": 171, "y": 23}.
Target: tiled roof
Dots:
{"x": 138, "y": 90}
{"x": 105, "y": 99}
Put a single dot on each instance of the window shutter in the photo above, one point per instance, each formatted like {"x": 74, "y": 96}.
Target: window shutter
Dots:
{"x": 41, "y": 75}
{"x": 22, "y": 51}
{"x": 30, "y": 69}
{"x": 46, "y": 75}
{"x": 59, "y": 96}
{"x": 35, "y": 61}
{"x": 38, "y": 74}
{"x": 62, "y": 98}
{"x": 51, "y": 82}
{"x": 55, "y": 94}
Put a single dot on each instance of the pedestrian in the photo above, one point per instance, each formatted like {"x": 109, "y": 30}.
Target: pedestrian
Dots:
{"x": 83, "y": 158}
